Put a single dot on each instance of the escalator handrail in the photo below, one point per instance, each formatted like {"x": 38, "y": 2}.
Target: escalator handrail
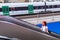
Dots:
{"x": 25, "y": 24}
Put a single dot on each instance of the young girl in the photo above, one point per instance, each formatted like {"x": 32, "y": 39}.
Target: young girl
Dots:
{"x": 44, "y": 27}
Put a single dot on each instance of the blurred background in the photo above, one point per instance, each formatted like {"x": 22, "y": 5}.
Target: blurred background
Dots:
{"x": 17, "y": 1}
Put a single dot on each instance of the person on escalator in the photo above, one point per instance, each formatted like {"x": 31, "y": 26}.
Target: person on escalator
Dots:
{"x": 44, "y": 27}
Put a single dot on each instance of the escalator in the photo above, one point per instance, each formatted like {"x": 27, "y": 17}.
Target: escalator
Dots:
{"x": 14, "y": 28}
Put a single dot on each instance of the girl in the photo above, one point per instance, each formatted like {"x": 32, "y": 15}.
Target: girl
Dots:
{"x": 44, "y": 27}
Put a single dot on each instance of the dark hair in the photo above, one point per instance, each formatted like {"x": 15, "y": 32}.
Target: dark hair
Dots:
{"x": 45, "y": 23}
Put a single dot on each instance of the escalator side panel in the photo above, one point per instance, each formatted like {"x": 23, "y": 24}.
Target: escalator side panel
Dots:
{"x": 16, "y": 31}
